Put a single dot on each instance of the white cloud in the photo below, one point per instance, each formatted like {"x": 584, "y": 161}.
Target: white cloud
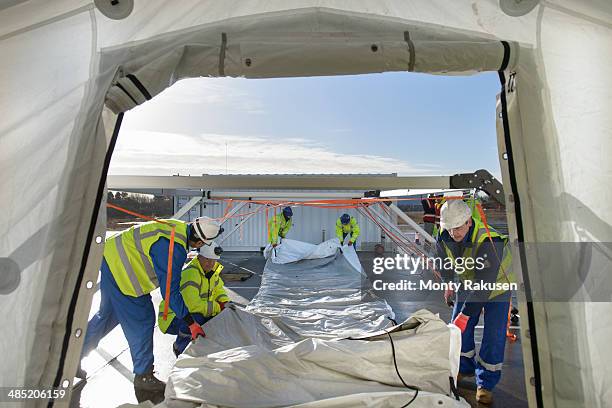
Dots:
{"x": 157, "y": 153}
{"x": 217, "y": 92}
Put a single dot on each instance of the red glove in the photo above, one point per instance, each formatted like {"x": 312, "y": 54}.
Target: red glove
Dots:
{"x": 196, "y": 331}
{"x": 350, "y": 243}
{"x": 222, "y": 305}
{"x": 461, "y": 321}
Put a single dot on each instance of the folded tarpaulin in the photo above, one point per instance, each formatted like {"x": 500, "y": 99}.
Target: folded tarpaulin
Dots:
{"x": 290, "y": 250}
{"x": 316, "y": 335}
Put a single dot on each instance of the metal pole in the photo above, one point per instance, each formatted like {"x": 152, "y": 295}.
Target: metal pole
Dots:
{"x": 226, "y": 236}
{"x": 413, "y": 224}
{"x": 190, "y": 204}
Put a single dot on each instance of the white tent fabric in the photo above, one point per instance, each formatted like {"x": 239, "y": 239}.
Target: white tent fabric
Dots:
{"x": 314, "y": 291}
{"x": 383, "y": 399}
{"x": 290, "y": 250}
{"x": 218, "y": 372}
{"x": 61, "y": 60}
{"x": 314, "y": 332}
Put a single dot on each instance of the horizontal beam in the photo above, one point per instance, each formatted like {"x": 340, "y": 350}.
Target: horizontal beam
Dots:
{"x": 279, "y": 195}
{"x": 288, "y": 182}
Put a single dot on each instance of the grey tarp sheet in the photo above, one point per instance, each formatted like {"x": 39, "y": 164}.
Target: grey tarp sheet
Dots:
{"x": 289, "y": 347}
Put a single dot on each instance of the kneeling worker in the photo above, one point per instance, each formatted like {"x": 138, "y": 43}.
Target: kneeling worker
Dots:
{"x": 203, "y": 292}
{"x": 466, "y": 237}
{"x": 279, "y": 226}
{"x": 347, "y": 225}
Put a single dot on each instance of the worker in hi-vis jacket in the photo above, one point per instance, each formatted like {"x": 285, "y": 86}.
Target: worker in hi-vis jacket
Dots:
{"x": 279, "y": 226}
{"x": 203, "y": 292}
{"x": 478, "y": 255}
{"x": 347, "y": 226}
{"x": 135, "y": 263}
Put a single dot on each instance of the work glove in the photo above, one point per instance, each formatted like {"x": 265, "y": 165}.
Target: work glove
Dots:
{"x": 196, "y": 331}
{"x": 461, "y": 321}
{"x": 222, "y": 305}
{"x": 448, "y": 297}
{"x": 350, "y": 243}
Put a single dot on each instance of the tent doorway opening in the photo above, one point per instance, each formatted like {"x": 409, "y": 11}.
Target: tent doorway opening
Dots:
{"x": 377, "y": 124}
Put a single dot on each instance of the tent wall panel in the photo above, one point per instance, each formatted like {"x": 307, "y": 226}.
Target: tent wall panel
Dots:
{"x": 60, "y": 58}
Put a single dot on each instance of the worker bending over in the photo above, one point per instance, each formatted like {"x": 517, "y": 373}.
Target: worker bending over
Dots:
{"x": 347, "y": 225}
{"x": 135, "y": 263}
{"x": 279, "y": 226}
{"x": 465, "y": 237}
{"x": 203, "y": 292}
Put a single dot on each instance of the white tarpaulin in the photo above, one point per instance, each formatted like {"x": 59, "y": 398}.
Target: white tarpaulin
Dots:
{"x": 313, "y": 333}
{"x": 262, "y": 374}
{"x": 61, "y": 60}
{"x": 291, "y": 250}
{"x": 314, "y": 291}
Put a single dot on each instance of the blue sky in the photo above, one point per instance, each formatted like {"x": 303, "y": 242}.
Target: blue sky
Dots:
{"x": 412, "y": 124}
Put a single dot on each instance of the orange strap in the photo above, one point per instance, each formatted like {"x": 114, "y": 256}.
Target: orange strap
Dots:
{"x": 484, "y": 221}
{"x": 169, "y": 273}
{"x": 267, "y": 225}
{"x": 170, "y": 250}
{"x": 135, "y": 214}
{"x": 227, "y": 208}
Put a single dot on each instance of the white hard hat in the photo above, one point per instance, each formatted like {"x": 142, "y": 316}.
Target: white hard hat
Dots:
{"x": 211, "y": 251}
{"x": 454, "y": 213}
{"x": 206, "y": 229}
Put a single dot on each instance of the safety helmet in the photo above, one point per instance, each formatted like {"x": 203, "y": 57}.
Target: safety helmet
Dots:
{"x": 454, "y": 213}
{"x": 288, "y": 212}
{"x": 345, "y": 219}
{"x": 211, "y": 251}
{"x": 206, "y": 229}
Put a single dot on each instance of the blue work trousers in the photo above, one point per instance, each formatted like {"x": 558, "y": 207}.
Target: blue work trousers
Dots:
{"x": 136, "y": 315}
{"x": 488, "y": 364}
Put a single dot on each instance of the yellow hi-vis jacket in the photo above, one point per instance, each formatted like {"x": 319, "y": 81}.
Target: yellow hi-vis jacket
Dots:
{"x": 351, "y": 228}
{"x": 479, "y": 235}
{"x": 201, "y": 291}
{"x": 128, "y": 258}
{"x": 278, "y": 226}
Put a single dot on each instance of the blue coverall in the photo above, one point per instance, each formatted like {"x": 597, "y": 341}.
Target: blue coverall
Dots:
{"x": 488, "y": 364}
{"x": 136, "y": 315}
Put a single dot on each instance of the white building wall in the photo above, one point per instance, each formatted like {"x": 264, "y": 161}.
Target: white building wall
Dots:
{"x": 310, "y": 224}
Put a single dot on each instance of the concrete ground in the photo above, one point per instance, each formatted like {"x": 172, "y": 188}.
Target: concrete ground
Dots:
{"x": 109, "y": 367}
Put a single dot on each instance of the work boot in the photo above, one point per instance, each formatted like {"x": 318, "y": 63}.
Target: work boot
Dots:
{"x": 484, "y": 396}
{"x": 463, "y": 376}
{"x": 148, "y": 387}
